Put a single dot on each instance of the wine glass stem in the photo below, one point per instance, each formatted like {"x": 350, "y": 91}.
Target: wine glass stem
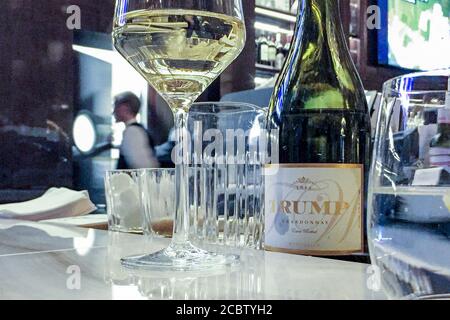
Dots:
{"x": 181, "y": 223}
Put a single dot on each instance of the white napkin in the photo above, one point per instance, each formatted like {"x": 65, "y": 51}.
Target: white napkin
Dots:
{"x": 55, "y": 203}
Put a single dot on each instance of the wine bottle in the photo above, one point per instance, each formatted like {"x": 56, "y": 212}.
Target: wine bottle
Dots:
{"x": 440, "y": 144}
{"x": 257, "y": 49}
{"x": 315, "y": 189}
{"x": 264, "y": 51}
{"x": 272, "y": 53}
{"x": 280, "y": 53}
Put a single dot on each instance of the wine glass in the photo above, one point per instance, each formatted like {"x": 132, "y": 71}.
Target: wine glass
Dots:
{"x": 180, "y": 47}
{"x": 409, "y": 188}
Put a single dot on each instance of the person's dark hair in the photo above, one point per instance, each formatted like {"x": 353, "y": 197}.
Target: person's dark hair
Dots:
{"x": 130, "y": 99}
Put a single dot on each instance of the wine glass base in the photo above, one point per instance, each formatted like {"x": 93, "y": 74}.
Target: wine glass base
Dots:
{"x": 181, "y": 257}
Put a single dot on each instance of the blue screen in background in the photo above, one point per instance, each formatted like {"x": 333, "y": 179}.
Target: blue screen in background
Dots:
{"x": 415, "y": 34}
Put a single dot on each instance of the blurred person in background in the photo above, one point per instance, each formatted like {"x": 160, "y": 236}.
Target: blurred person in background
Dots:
{"x": 137, "y": 149}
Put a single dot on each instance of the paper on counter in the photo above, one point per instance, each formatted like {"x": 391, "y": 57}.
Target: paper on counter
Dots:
{"x": 55, "y": 203}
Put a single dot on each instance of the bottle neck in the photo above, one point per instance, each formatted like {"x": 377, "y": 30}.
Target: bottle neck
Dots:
{"x": 319, "y": 72}
{"x": 320, "y": 54}
{"x": 319, "y": 21}
{"x": 319, "y": 10}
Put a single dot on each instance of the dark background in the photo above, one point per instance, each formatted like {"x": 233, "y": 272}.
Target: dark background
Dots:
{"x": 39, "y": 85}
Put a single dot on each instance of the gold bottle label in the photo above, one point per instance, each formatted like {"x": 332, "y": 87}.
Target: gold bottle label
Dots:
{"x": 314, "y": 209}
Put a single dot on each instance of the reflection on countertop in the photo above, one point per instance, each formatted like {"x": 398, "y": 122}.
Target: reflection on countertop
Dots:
{"x": 43, "y": 261}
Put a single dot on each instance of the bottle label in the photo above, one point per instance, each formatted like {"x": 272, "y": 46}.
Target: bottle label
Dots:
{"x": 273, "y": 54}
{"x": 314, "y": 209}
{"x": 264, "y": 52}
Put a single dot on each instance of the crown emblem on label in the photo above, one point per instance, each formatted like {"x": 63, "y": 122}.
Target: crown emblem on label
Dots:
{"x": 303, "y": 180}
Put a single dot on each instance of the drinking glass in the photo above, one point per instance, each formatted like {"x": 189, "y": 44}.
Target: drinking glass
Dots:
{"x": 409, "y": 189}
{"x": 180, "y": 47}
{"x": 123, "y": 199}
{"x": 158, "y": 188}
{"x": 226, "y": 173}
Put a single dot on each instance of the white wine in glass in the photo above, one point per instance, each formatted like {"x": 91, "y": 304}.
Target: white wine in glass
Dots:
{"x": 180, "y": 47}
{"x": 179, "y": 52}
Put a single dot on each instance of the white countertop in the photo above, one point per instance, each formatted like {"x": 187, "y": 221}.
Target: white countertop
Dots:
{"x": 44, "y": 261}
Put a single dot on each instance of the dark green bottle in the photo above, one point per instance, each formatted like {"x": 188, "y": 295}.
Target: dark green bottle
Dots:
{"x": 315, "y": 200}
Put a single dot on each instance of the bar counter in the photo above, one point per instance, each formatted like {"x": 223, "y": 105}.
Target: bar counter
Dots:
{"x": 49, "y": 261}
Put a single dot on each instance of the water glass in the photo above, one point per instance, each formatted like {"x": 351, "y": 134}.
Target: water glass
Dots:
{"x": 225, "y": 175}
{"x": 158, "y": 199}
{"x": 409, "y": 189}
{"x": 123, "y": 201}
